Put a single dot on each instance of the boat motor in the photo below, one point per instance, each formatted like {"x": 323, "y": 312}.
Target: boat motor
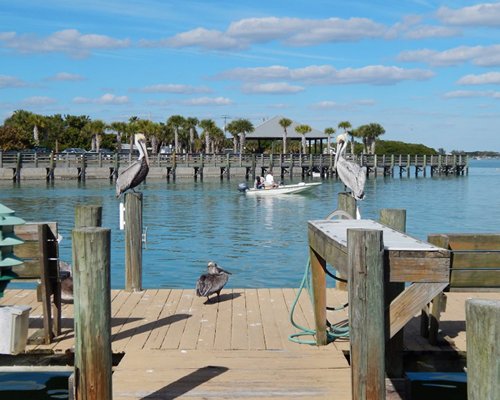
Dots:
{"x": 243, "y": 187}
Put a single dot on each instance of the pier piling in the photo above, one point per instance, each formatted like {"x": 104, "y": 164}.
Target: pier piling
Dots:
{"x": 92, "y": 315}
{"x": 88, "y": 215}
{"x": 483, "y": 349}
{"x": 366, "y": 316}
{"x": 133, "y": 241}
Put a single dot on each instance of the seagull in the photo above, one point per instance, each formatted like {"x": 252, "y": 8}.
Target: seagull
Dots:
{"x": 135, "y": 173}
{"x": 212, "y": 282}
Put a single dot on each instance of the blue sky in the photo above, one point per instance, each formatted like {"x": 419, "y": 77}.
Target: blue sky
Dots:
{"x": 427, "y": 71}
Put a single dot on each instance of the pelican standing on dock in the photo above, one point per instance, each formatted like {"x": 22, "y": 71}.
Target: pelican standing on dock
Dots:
{"x": 135, "y": 173}
{"x": 212, "y": 282}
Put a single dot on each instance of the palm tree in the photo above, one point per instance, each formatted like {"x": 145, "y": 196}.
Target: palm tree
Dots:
{"x": 303, "y": 130}
{"x": 285, "y": 123}
{"x": 240, "y": 127}
{"x": 207, "y": 125}
{"x": 121, "y": 129}
{"x": 345, "y": 125}
{"x": 95, "y": 130}
{"x": 55, "y": 128}
{"x": 329, "y": 132}
{"x": 373, "y": 131}
{"x": 176, "y": 121}
{"x": 191, "y": 123}
{"x": 39, "y": 122}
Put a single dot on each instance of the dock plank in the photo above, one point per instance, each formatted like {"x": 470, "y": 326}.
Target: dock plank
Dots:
{"x": 268, "y": 366}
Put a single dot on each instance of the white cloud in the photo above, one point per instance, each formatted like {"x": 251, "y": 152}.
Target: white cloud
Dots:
{"x": 107, "y": 98}
{"x": 429, "y": 31}
{"x": 209, "y": 101}
{"x": 38, "y": 101}
{"x": 271, "y": 88}
{"x": 486, "y": 14}
{"x": 484, "y": 56}
{"x": 482, "y": 79}
{"x": 200, "y": 37}
{"x": 472, "y": 93}
{"x": 292, "y": 31}
{"x": 329, "y": 105}
{"x": 324, "y": 105}
{"x": 174, "y": 88}
{"x": 69, "y": 41}
{"x": 66, "y": 76}
{"x": 326, "y": 74}
{"x": 7, "y": 81}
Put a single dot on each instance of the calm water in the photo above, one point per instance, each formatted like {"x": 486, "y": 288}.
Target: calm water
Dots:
{"x": 262, "y": 241}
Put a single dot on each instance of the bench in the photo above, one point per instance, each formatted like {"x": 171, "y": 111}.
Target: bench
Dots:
{"x": 40, "y": 252}
{"x": 474, "y": 267}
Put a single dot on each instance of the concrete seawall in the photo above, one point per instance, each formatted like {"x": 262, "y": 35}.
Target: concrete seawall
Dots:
{"x": 61, "y": 173}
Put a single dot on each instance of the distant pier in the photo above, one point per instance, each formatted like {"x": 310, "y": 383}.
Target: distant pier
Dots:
{"x": 21, "y": 166}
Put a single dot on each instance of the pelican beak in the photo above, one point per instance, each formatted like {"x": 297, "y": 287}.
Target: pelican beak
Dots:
{"x": 223, "y": 270}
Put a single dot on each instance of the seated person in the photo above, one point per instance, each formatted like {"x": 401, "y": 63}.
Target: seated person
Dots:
{"x": 269, "y": 182}
{"x": 259, "y": 182}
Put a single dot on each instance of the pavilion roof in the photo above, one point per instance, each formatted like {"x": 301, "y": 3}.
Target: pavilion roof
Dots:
{"x": 271, "y": 129}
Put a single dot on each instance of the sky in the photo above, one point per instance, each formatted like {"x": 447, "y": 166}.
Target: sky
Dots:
{"x": 427, "y": 71}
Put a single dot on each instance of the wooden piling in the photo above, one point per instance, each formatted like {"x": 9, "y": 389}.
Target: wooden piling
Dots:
{"x": 366, "y": 316}
{"x": 92, "y": 313}
{"x": 133, "y": 242}
{"x": 88, "y": 215}
{"x": 395, "y": 219}
{"x": 347, "y": 203}
{"x": 483, "y": 349}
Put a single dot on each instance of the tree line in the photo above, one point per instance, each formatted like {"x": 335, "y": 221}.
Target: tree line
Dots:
{"x": 24, "y": 129}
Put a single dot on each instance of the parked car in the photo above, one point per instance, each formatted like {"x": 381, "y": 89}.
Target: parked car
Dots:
{"x": 72, "y": 152}
{"x": 105, "y": 153}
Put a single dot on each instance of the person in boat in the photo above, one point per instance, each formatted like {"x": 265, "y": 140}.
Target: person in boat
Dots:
{"x": 259, "y": 182}
{"x": 269, "y": 183}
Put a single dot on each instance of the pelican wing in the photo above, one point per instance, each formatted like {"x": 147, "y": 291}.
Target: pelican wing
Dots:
{"x": 353, "y": 176}
{"x": 131, "y": 176}
{"x": 210, "y": 283}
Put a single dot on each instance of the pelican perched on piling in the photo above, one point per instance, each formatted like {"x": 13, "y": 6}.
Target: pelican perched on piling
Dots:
{"x": 350, "y": 173}
{"x": 212, "y": 282}
{"x": 135, "y": 173}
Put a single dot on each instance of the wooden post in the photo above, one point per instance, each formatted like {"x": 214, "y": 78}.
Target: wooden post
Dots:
{"x": 366, "y": 317}
{"x": 91, "y": 275}
{"x": 395, "y": 219}
{"x": 483, "y": 349}
{"x": 319, "y": 284}
{"x": 88, "y": 215}
{"x": 133, "y": 241}
{"x": 347, "y": 203}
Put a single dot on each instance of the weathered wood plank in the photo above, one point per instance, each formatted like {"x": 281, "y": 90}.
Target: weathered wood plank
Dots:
{"x": 165, "y": 319}
{"x": 255, "y": 332}
{"x": 191, "y": 334}
{"x": 178, "y": 320}
{"x": 271, "y": 334}
{"x": 224, "y": 326}
{"x": 475, "y": 259}
{"x": 239, "y": 331}
{"x": 208, "y": 323}
{"x": 412, "y": 300}
{"x": 475, "y": 278}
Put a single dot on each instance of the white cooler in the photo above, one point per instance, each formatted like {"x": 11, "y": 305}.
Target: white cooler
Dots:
{"x": 14, "y": 322}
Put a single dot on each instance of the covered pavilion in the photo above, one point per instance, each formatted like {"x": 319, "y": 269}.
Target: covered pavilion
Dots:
{"x": 272, "y": 130}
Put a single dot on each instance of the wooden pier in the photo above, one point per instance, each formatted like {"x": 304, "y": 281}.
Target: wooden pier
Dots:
{"x": 177, "y": 347}
{"x": 19, "y": 166}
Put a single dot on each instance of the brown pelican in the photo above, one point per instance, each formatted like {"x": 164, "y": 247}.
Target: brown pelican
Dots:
{"x": 212, "y": 282}
{"x": 135, "y": 173}
{"x": 350, "y": 173}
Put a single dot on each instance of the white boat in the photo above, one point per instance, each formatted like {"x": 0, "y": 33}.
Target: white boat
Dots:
{"x": 282, "y": 189}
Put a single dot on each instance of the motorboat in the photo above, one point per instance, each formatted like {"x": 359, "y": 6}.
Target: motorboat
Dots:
{"x": 281, "y": 189}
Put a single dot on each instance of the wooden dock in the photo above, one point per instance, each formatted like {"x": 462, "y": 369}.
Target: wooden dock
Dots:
{"x": 175, "y": 346}
{"x": 19, "y": 166}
